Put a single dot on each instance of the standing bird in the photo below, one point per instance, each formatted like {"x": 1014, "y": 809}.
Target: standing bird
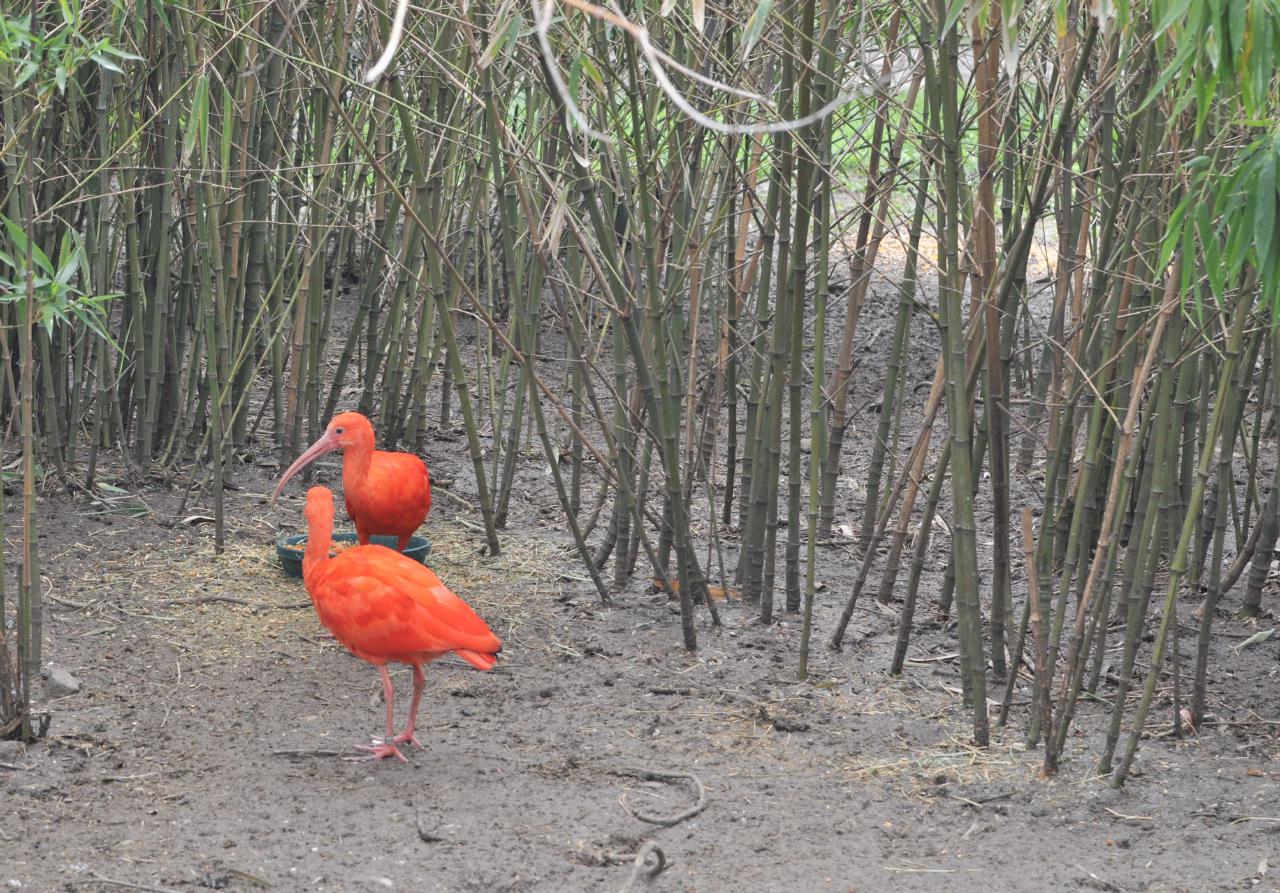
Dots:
{"x": 385, "y": 607}
{"x": 387, "y": 494}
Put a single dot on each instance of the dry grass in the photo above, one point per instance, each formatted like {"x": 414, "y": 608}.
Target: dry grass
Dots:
{"x": 955, "y": 757}
{"x": 227, "y": 604}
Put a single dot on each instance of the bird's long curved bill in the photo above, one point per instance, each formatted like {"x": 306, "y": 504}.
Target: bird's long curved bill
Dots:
{"x": 326, "y": 444}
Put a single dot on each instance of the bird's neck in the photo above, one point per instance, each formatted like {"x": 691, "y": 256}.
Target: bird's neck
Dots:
{"x": 319, "y": 539}
{"x": 355, "y": 462}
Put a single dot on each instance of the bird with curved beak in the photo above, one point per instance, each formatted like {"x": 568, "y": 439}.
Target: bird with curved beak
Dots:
{"x": 384, "y": 607}
{"x": 386, "y": 493}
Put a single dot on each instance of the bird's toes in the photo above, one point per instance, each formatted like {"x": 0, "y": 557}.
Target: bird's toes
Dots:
{"x": 381, "y": 750}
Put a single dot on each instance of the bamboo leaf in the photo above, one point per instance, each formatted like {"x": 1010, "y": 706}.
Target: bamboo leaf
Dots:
{"x": 954, "y": 11}
{"x": 1173, "y": 232}
{"x": 1212, "y": 251}
{"x": 555, "y": 223}
{"x": 1236, "y": 14}
{"x": 1010, "y": 49}
{"x": 1237, "y": 249}
{"x": 755, "y": 26}
{"x": 1264, "y": 209}
{"x": 700, "y": 15}
{"x": 1206, "y": 89}
{"x": 1174, "y": 68}
{"x": 194, "y": 133}
{"x": 25, "y": 73}
{"x": 1174, "y": 14}
{"x": 1256, "y": 639}
{"x": 41, "y": 260}
{"x": 575, "y": 76}
{"x": 69, "y": 255}
{"x": 1186, "y": 286}
{"x": 589, "y": 68}
{"x": 18, "y": 235}
{"x": 105, "y": 47}
{"x": 1269, "y": 287}
{"x": 979, "y": 13}
{"x": 228, "y": 114}
{"x": 1261, "y": 63}
{"x": 491, "y": 52}
{"x": 106, "y": 63}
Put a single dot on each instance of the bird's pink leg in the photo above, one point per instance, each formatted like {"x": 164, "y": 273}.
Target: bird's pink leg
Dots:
{"x": 388, "y": 746}
{"x": 419, "y": 682}
{"x": 403, "y": 542}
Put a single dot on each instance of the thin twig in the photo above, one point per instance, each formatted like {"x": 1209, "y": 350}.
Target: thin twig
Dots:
{"x": 1236, "y": 818}
{"x": 1131, "y": 818}
{"x": 68, "y": 602}
{"x": 96, "y": 878}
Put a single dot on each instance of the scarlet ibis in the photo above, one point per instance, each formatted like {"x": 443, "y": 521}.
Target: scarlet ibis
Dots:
{"x": 385, "y": 607}
{"x": 387, "y": 494}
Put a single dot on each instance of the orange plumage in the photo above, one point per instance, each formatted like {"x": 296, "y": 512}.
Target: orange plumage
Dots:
{"x": 387, "y": 494}
{"x": 385, "y": 607}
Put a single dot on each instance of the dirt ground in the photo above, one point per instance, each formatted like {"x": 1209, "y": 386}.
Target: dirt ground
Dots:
{"x": 210, "y": 744}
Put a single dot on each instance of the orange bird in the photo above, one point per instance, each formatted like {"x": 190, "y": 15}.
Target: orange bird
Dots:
{"x": 387, "y": 494}
{"x": 385, "y": 607}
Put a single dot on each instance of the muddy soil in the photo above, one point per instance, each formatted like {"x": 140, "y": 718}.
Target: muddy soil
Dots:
{"x": 212, "y": 742}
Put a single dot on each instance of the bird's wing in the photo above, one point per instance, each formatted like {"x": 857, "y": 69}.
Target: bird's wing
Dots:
{"x": 402, "y": 473}
{"x": 398, "y": 598}
{"x": 375, "y": 621}
{"x": 397, "y": 490}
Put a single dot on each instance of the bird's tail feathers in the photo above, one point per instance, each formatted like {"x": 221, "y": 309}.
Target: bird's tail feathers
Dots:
{"x": 478, "y": 659}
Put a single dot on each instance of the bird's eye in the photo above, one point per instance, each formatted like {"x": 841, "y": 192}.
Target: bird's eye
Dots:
{"x": 337, "y": 430}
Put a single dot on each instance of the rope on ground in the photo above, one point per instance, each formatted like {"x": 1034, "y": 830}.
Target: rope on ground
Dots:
{"x": 649, "y": 863}
{"x": 658, "y": 775}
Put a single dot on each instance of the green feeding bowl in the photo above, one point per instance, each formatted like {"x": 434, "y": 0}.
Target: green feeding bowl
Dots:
{"x": 290, "y": 548}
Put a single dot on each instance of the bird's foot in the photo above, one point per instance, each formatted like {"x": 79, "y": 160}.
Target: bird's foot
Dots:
{"x": 381, "y": 749}
{"x": 408, "y": 737}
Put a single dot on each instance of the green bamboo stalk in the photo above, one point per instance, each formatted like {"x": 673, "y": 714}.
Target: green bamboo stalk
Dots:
{"x": 964, "y": 541}
{"x": 1178, "y": 567}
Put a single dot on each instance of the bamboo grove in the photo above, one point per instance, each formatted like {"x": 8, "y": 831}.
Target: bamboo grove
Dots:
{"x": 643, "y": 241}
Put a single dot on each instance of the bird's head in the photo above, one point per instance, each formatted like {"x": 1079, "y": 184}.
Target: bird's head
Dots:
{"x": 348, "y": 429}
{"x": 345, "y": 430}
{"x": 319, "y": 510}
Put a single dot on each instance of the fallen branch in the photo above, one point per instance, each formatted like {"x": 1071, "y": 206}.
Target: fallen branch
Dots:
{"x": 233, "y": 600}
{"x": 656, "y": 775}
{"x": 68, "y": 602}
